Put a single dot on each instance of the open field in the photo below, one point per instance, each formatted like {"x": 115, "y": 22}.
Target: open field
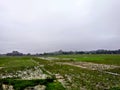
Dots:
{"x": 24, "y": 73}
{"x": 60, "y": 72}
{"x": 10, "y": 63}
{"x": 96, "y": 58}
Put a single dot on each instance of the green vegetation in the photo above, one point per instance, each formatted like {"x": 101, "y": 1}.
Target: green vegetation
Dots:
{"x": 115, "y": 70}
{"x": 21, "y": 84}
{"x": 78, "y": 78}
{"x": 82, "y": 78}
{"x": 113, "y": 59}
{"x": 15, "y": 63}
{"x": 55, "y": 86}
{"x": 12, "y": 64}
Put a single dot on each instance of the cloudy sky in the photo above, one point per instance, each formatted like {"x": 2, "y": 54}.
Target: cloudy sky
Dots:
{"x": 50, "y": 25}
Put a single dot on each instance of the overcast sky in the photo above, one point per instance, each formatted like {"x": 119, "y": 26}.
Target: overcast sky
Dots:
{"x": 38, "y": 26}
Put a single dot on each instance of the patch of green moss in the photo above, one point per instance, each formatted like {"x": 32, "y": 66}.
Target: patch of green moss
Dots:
{"x": 55, "y": 86}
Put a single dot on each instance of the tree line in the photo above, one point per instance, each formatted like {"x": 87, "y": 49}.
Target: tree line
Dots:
{"x": 61, "y": 52}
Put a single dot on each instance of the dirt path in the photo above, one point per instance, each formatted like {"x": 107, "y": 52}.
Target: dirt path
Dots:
{"x": 54, "y": 58}
{"x": 93, "y": 66}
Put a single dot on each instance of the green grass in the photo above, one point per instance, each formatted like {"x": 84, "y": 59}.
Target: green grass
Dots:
{"x": 89, "y": 79}
{"x": 96, "y": 58}
{"x": 15, "y": 63}
{"x": 12, "y": 64}
{"x": 80, "y": 78}
{"x": 83, "y": 77}
{"x": 55, "y": 86}
{"x": 21, "y": 84}
{"x": 115, "y": 70}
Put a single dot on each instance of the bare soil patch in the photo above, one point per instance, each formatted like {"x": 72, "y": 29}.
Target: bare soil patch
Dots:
{"x": 92, "y": 66}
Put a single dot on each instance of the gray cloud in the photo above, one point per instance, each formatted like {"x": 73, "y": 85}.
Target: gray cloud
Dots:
{"x": 50, "y": 25}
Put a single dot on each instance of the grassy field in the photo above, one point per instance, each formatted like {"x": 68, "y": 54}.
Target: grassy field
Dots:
{"x": 74, "y": 78}
{"x": 11, "y": 64}
{"x": 80, "y": 78}
{"x": 96, "y": 58}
